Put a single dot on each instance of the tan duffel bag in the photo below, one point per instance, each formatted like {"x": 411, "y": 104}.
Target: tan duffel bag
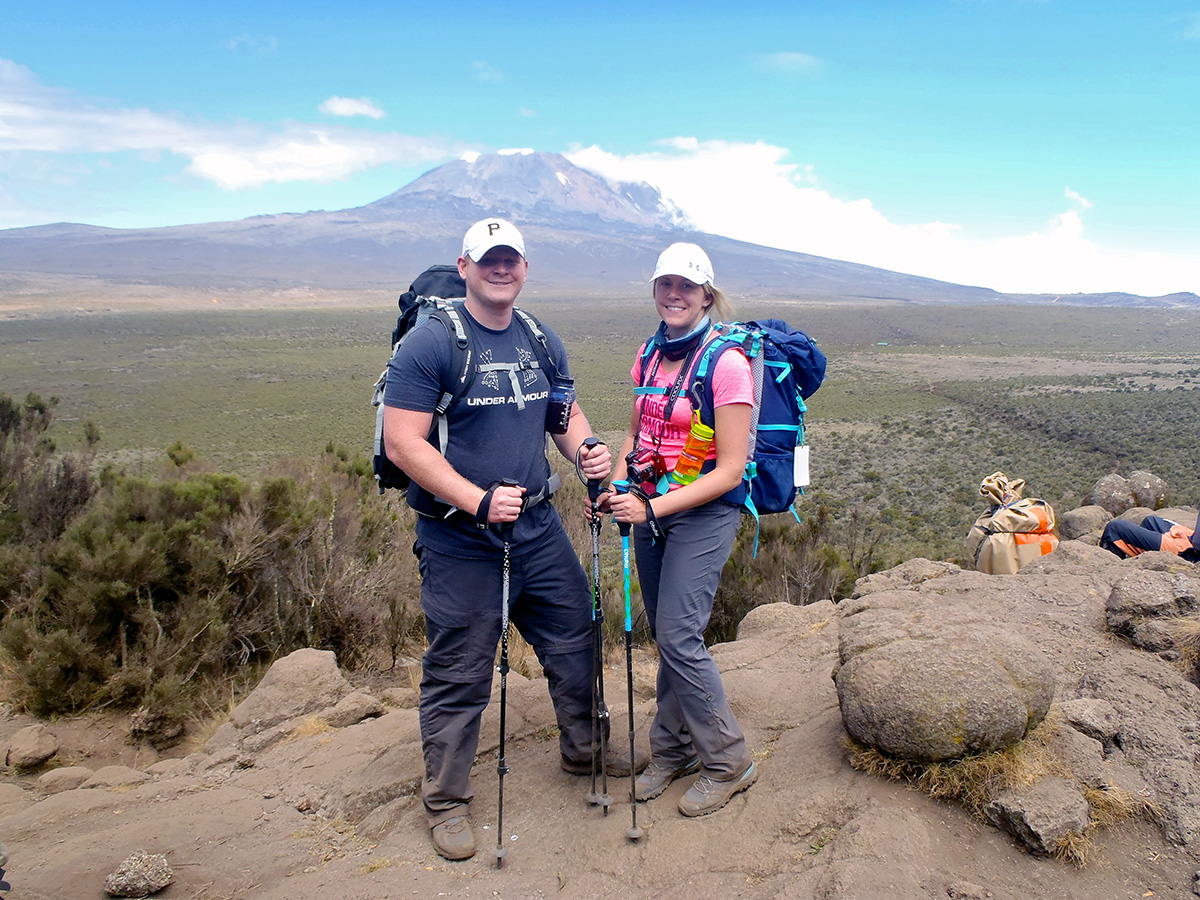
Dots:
{"x": 1013, "y": 532}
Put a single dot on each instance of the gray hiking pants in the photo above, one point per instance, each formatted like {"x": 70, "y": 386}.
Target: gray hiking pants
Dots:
{"x": 679, "y": 577}
{"x": 550, "y": 604}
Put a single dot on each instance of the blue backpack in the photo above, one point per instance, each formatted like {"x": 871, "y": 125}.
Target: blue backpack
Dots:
{"x": 787, "y": 367}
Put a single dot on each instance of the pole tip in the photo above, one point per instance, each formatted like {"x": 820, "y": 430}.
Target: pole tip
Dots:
{"x": 634, "y": 833}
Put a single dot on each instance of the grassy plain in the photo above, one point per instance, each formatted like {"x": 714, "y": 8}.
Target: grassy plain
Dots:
{"x": 920, "y": 403}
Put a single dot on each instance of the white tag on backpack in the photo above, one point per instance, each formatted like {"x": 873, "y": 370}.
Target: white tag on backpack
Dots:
{"x": 800, "y": 466}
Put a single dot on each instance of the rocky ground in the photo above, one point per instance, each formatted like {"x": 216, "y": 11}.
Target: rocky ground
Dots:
{"x": 310, "y": 790}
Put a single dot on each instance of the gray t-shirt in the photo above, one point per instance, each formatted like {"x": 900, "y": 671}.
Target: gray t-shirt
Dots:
{"x": 489, "y": 436}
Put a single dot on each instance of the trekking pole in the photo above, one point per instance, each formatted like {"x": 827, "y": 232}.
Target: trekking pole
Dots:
{"x": 633, "y": 832}
{"x": 599, "y": 707}
{"x": 506, "y": 532}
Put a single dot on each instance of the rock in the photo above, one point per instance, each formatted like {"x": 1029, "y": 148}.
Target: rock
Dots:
{"x": 1075, "y": 523}
{"x": 401, "y": 697}
{"x": 30, "y": 747}
{"x": 1111, "y": 492}
{"x": 908, "y": 574}
{"x": 1043, "y": 815}
{"x": 915, "y": 687}
{"x": 301, "y": 683}
{"x": 157, "y": 728}
{"x": 66, "y": 779}
{"x": 167, "y": 767}
{"x": 351, "y": 709}
{"x": 1097, "y": 719}
{"x": 115, "y": 776}
{"x": 1141, "y": 599}
{"x": 1148, "y": 489}
{"x": 141, "y": 875}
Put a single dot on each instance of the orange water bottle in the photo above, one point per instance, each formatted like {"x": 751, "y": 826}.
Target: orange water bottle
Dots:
{"x": 694, "y": 453}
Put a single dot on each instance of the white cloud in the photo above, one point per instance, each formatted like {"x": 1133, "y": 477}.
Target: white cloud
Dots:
{"x": 35, "y": 119}
{"x": 1191, "y": 27}
{"x": 257, "y": 45}
{"x": 1084, "y": 202}
{"x": 351, "y": 106}
{"x": 787, "y": 63}
{"x": 751, "y": 192}
{"x": 486, "y": 72}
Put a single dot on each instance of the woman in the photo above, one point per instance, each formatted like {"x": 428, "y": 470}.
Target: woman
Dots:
{"x": 683, "y": 537}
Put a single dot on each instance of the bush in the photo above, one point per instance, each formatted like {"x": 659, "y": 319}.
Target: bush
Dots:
{"x": 138, "y": 592}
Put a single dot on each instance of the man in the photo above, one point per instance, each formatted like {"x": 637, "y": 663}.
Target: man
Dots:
{"x": 496, "y": 431}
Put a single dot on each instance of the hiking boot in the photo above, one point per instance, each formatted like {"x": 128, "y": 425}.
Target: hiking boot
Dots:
{"x": 616, "y": 763}
{"x": 454, "y": 838}
{"x": 707, "y": 795}
{"x": 654, "y": 780}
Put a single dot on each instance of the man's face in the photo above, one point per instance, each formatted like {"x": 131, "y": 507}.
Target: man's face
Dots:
{"x": 497, "y": 278}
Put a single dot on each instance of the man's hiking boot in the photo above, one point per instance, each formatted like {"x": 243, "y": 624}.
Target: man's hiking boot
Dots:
{"x": 654, "y": 780}
{"x": 454, "y": 838}
{"x": 707, "y": 795}
{"x": 616, "y": 764}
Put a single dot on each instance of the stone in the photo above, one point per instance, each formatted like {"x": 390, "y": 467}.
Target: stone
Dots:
{"x": 31, "y": 747}
{"x": 1075, "y": 523}
{"x": 1098, "y": 719}
{"x": 1111, "y": 492}
{"x": 1043, "y": 815}
{"x": 65, "y": 779}
{"x": 351, "y": 709}
{"x": 1148, "y": 489}
{"x": 303, "y": 682}
{"x": 115, "y": 776}
{"x": 141, "y": 875}
{"x": 915, "y": 687}
{"x": 1145, "y": 595}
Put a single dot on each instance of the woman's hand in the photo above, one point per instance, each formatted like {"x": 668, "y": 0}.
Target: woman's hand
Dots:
{"x": 628, "y": 508}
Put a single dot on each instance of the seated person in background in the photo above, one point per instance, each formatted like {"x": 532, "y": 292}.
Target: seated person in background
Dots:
{"x": 1155, "y": 533}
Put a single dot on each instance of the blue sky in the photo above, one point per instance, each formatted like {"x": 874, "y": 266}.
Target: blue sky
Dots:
{"x": 1025, "y": 145}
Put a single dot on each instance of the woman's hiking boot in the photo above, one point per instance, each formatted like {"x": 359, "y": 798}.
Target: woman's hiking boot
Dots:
{"x": 707, "y": 795}
{"x": 654, "y": 780}
{"x": 454, "y": 838}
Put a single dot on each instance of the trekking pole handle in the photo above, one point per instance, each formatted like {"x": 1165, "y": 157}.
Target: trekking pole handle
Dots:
{"x": 506, "y": 528}
{"x": 593, "y": 484}
{"x": 623, "y": 487}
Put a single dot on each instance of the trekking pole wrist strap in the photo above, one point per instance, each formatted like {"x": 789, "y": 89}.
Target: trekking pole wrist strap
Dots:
{"x": 652, "y": 522}
{"x": 481, "y": 514}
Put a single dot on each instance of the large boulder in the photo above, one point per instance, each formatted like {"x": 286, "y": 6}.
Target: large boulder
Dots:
{"x": 1111, "y": 492}
{"x": 917, "y": 687}
{"x": 301, "y": 683}
{"x": 1075, "y": 523}
{"x": 1143, "y": 602}
{"x": 1148, "y": 489}
{"x": 30, "y": 747}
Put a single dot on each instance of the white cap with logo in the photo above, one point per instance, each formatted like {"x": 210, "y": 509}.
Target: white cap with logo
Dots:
{"x": 685, "y": 260}
{"x": 488, "y": 233}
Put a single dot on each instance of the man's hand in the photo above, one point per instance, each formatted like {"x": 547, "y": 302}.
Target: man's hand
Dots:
{"x": 595, "y": 462}
{"x": 506, "y": 503}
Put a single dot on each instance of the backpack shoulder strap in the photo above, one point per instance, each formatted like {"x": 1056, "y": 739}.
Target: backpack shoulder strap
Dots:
{"x": 541, "y": 346}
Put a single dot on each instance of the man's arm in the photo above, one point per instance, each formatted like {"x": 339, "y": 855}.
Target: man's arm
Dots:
{"x": 404, "y": 438}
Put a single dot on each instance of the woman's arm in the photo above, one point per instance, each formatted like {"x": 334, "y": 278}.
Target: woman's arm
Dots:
{"x": 732, "y": 428}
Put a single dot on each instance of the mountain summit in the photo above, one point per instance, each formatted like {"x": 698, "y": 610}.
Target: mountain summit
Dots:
{"x": 545, "y": 188}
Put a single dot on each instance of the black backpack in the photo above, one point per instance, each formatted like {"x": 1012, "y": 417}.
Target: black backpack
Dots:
{"x": 438, "y": 293}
